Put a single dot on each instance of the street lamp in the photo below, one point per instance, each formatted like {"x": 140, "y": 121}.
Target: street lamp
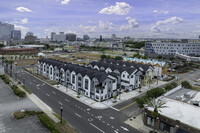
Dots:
{"x": 24, "y": 81}
{"x": 61, "y": 110}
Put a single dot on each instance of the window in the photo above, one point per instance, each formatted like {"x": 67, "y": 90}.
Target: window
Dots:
{"x": 166, "y": 127}
{"x": 79, "y": 78}
{"x": 97, "y": 91}
{"x": 132, "y": 76}
{"x": 123, "y": 75}
{"x": 150, "y": 121}
{"x": 79, "y": 84}
{"x": 86, "y": 83}
{"x": 73, "y": 78}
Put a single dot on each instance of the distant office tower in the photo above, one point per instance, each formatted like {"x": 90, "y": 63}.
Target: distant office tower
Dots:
{"x": 71, "y": 37}
{"x": 30, "y": 38}
{"x": 86, "y": 37}
{"x": 199, "y": 36}
{"x": 100, "y": 38}
{"x": 6, "y": 32}
{"x": 16, "y": 35}
{"x": 113, "y": 36}
{"x": 52, "y": 35}
{"x": 62, "y": 33}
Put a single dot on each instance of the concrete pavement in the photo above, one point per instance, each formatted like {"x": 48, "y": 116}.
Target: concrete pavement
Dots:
{"x": 10, "y": 103}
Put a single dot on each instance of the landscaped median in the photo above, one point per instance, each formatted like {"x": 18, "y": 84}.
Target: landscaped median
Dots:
{"x": 48, "y": 122}
{"x": 15, "y": 89}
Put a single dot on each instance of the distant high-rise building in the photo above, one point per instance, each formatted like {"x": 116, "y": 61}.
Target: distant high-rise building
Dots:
{"x": 199, "y": 36}
{"x": 101, "y": 39}
{"x": 86, "y": 37}
{"x": 71, "y": 37}
{"x": 62, "y": 33}
{"x": 113, "y": 36}
{"x": 16, "y": 35}
{"x": 30, "y": 38}
{"x": 6, "y": 31}
{"x": 52, "y": 35}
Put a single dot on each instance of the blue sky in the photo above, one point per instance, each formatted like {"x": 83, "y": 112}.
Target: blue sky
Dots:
{"x": 134, "y": 18}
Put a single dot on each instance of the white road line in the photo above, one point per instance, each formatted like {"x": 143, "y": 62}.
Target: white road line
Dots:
{"x": 38, "y": 88}
{"x": 47, "y": 94}
{"x": 115, "y": 131}
{"x": 43, "y": 83}
{"x": 114, "y": 108}
{"x": 104, "y": 122}
{"x": 92, "y": 115}
{"x": 124, "y": 128}
{"x": 97, "y": 127}
{"x": 38, "y": 85}
{"x": 33, "y": 80}
{"x": 108, "y": 124}
{"x": 60, "y": 103}
{"x": 66, "y": 100}
{"x": 112, "y": 126}
{"x": 53, "y": 92}
{"x": 78, "y": 115}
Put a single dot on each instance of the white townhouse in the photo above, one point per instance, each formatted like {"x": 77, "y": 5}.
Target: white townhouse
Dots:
{"x": 92, "y": 83}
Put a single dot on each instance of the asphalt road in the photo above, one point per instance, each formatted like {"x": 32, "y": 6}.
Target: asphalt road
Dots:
{"x": 79, "y": 115}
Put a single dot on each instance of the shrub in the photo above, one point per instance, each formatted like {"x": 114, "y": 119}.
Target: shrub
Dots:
{"x": 155, "y": 92}
{"x": 168, "y": 87}
{"x": 26, "y": 89}
{"x": 19, "y": 115}
{"x": 48, "y": 123}
{"x": 174, "y": 84}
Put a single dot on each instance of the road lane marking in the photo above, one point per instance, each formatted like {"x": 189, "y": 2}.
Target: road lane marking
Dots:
{"x": 53, "y": 92}
{"x": 112, "y": 126}
{"x": 104, "y": 122}
{"x": 127, "y": 106}
{"x": 115, "y": 131}
{"x": 43, "y": 83}
{"x": 124, "y": 128}
{"x": 108, "y": 124}
{"x": 114, "y": 108}
{"x": 97, "y": 127}
{"x": 78, "y": 115}
{"x": 47, "y": 94}
{"x": 38, "y": 85}
{"x": 38, "y": 88}
{"x": 88, "y": 109}
{"x": 60, "y": 103}
{"x": 66, "y": 100}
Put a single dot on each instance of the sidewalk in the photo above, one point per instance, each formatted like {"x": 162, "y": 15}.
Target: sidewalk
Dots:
{"x": 44, "y": 107}
{"x": 110, "y": 102}
{"x": 137, "y": 123}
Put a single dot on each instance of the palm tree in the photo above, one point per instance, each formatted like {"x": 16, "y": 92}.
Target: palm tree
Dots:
{"x": 156, "y": 105}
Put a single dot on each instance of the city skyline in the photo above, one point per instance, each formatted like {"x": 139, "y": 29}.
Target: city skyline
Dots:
{"x": 139, "y": 18}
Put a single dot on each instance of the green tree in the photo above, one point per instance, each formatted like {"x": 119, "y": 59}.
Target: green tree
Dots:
{"x": 159, "y": 57}
{"x": 171, "y": 58}
{"x": 186, "y": 84}
{"x": 168, "y": 87}
{"x": 103, "y": 56}
{"x": 118, "y": 58}
{"x": 156, "y": 105}
{"x": 174, "y": 84}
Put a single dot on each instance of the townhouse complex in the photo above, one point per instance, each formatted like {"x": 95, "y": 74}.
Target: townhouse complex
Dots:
{"x": 160, "y": 67}
{"x": 130, "y": 75}
{"x": 99, "y": 80}
{"x": 95, "y": 84}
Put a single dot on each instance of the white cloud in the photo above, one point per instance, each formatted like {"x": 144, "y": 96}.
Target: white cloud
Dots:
{"x": 88, "y": 29}
{"x": 65, "y": 2}
{"x": 23, "y": 9}
{"x": 132, "y": 23}
{"x": 23, "y": 29}
{"x": 121, "y": 8}
{"x": 24, "y": 21}
{"x": 160, "y": 11}
{"x": 155, "y": 11}
{"x": 172, "y": 20}
{"x": 155, "y": 29}
{"x": 106, "y": 26}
